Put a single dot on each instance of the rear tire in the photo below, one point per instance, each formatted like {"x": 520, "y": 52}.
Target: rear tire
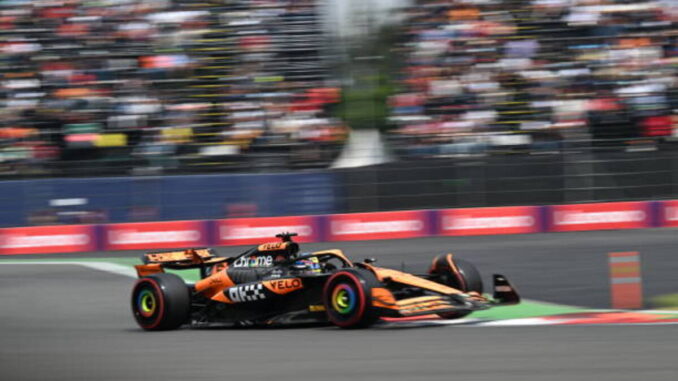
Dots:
{"x": 161, "y": 302}
{"x": 469, "y": 279}
{"x": 347, "y": 297}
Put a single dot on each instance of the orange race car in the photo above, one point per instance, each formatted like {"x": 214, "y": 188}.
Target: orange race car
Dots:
{"x": 275, "y": 284}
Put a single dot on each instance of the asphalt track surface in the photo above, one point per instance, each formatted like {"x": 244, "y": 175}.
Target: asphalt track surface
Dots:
{"x": 65, "y": 322}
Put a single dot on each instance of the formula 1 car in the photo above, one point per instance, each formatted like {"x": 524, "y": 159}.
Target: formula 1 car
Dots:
{"x": 274, "y": 284}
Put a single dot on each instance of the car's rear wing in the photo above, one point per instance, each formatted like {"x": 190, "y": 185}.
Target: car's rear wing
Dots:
{"x": 180, "y": 257}
{"x": 155, "y": 262}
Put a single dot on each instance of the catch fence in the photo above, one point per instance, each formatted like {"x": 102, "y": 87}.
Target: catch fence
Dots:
{"x": 522, "y": 178}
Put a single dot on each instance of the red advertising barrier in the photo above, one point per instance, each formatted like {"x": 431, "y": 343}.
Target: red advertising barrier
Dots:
{"x": 155, "y": 235}
{"x": 381, "y": 225}
{"x": 47, "y": 239}
{"x": 339, "y": 227}
{"x": 252, "y": 231}
{"x": 668, "y": 213}
{"x": 482, "y": 221}
{"x": 600, "y": 216}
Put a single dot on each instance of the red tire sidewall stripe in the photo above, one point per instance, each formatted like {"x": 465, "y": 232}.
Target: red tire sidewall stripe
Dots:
{"x": 361, "y": 298}
{"x": 161, "y": 303}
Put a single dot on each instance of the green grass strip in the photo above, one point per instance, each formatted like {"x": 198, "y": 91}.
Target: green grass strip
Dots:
{"x": 665, "y": 302}
{"x": 526, "y": 309}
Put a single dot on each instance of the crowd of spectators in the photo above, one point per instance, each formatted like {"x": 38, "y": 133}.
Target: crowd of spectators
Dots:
{"x": 163, "y": 86}
{"x": 499, "y": 76}
{"x": 176, "y": 86}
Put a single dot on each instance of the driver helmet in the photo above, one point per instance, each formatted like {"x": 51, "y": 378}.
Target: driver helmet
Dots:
{"x": 312, "y": 264}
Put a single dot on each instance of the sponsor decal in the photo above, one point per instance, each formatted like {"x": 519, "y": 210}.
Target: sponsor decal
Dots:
{"x": 123, "y": 237}
{"x": 381, "y": 225}
{"x": 254, "y": 261}
{"x": 155, "y": 235}
{"x": 20, "y": 241}
{"x": 672, "y": 213}
{"x": 272, "y": 246}
{"x": 283, "y": 286}
{"x": 669, "y": 213}
{"x": 246, "y": 293}
{"x": 248, "y": 231}
{"x": 47, "y": 239}
{"x": 480, "y": 221}
{"x": 579, "y": 217}
{"x": 600, "y": 216}
{"x": 275, "y": 273}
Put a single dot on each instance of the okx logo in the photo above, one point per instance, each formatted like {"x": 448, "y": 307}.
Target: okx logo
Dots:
{"x": 246, "y": 293}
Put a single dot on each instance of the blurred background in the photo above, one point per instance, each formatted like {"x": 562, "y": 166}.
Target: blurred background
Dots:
{"x": 281, "y": 107}
{"x": 195, "y": 115}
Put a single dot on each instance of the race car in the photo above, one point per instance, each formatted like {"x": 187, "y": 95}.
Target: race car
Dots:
{"x": 275, "y": 284}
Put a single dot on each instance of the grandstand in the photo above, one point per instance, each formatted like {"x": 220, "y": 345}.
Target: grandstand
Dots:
{"x": 159, "y": 86}
{"x": 496, "y": 77}
{"x": 132, "y": 87}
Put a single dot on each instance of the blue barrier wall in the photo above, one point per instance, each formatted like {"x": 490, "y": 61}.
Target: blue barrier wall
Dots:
{"x": 127, "y": 199}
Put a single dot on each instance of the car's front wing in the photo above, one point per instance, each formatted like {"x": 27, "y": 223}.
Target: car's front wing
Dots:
{"x": 387, "y": 305}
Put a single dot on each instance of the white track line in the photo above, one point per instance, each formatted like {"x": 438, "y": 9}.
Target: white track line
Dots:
{"x": 108, "y": 267}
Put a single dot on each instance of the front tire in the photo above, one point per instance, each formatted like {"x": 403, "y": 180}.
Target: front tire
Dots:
{"x": 347, "y": 297}
{"x": 161, "y": 302}
{"x": 466, "y": 278}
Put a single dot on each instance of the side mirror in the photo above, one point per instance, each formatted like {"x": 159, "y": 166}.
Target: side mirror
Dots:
{"x": 369, "y": 260}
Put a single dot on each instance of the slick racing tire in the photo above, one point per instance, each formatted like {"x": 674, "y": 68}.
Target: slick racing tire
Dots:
{"x": 347, "y": 297}
{"x": 161, "y": 302}
{"x": 468, "y": 280}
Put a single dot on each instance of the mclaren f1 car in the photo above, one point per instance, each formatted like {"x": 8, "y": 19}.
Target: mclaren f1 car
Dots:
{"x": 274, "y": 284}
